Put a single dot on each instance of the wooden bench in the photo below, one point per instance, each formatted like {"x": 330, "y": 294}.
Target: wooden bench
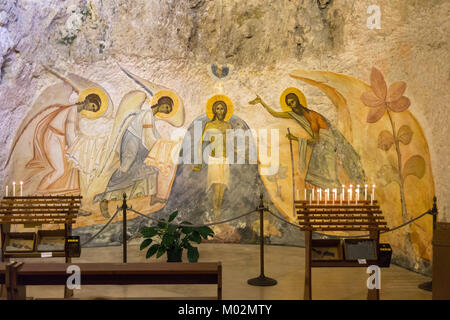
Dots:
{"x": 18, "y": 275}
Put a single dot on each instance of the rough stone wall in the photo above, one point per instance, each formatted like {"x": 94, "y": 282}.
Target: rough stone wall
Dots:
{"x": 173, "y": 42}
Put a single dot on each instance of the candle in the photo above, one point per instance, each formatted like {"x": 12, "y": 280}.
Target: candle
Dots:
{"x": 351, "y": 192}
{"x": 310, "y": 197}
{"x": 320, "y": 194}
{"x": 306, "y": 198}
{"x": 6, "y": 190}
{"x": 21, "y": 188}
{"x": 327, "y": 195}
{"x": 373, "y": 195}
{"x": 14, "y": 188}
{"x": 318, "y": 198}
{"x": 357, "y": 193}
{"x": 342, "y": 193}
{"x": 365, "y": 191}
{"x": 349, "y": 195}
{"x": 334, "y": 195}
{"x": 312, "y": 193}
{"x": 298, "y": 195}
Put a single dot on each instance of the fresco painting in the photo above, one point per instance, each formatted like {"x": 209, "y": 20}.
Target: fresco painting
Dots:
{"x": 90, "y": 148}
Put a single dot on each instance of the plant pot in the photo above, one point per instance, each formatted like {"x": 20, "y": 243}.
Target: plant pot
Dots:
{"x": 174, "y": 255}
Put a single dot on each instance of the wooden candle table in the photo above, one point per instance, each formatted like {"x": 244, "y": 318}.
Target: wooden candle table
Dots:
{"x": 35, "y": 211}
{"x": 349, "y": 217}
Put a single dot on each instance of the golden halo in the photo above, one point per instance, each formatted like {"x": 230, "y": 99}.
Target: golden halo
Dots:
{"x": 297, "y": 92}
{"x": 214, "y": 99}
{"x": 103, "y": 105}
{"x": 172, "y": 95}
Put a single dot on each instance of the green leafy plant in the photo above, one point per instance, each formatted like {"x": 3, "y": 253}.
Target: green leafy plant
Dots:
{"x": 173, "y": 238}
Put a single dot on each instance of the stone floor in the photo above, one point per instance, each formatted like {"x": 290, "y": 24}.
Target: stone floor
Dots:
{"x": 240, "y": 263}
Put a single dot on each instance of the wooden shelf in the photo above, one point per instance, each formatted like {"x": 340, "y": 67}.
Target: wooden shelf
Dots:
{"x": 58, "y": 254}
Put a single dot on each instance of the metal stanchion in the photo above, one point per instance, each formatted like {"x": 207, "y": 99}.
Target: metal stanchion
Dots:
{"x": 262, "y": 280}
{"x": 124, "y": 227}
{"x": 428, "y": 286}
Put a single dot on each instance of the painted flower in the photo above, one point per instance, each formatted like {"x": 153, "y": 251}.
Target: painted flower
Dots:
{"x": 381, "y": 98}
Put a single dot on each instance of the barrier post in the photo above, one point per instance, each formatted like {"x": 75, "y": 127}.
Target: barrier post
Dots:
{"x": 262, "y": 280}
{"x": 124, "y": 227}
{"x": 428, "y": 286}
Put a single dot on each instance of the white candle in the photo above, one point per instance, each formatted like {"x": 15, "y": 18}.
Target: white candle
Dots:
{"x": 327, "y": 195}
{"x": 373, "y": 195}
{"x": 357, "y": 193}
{"x": 310, "y": 197}
{"x": 318, "y": 198}
{"x": 334, "y": 195}
{"x": 320, "y": 194}
{"x": 342, "y": 193}
{"x": 14, "y": 188}
{"x": 349, "y": 195}
{"x": 312, "y": 193}
{"x": 365, "y": 191}
{"x": 298, "y": 195}
{"x": 6, "y": 191}
{"x": 351, "y": 192}
{"x": 21, "y": 188}
{"x": 306, "y": 198}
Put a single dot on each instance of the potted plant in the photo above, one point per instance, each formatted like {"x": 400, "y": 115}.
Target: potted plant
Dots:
{"x": 173, "y": 239}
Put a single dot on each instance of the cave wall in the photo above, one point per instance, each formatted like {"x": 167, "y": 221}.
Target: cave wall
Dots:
{"x": 262, "y": 43}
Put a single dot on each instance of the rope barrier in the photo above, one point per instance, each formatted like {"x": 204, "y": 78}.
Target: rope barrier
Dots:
{"x": 103, "y": 228}
{"x": 238, "y": 217}
{"x": 191, "y": 225}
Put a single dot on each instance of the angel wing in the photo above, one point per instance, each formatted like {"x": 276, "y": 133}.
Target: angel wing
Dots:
{"x": 177, "y": 119}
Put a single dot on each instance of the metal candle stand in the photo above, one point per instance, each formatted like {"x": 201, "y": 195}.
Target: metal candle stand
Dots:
{"x": 261, "y": 280}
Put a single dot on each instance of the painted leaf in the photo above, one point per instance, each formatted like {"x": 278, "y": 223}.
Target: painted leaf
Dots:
{"x": 376, "y": 114}
{"x": 414, "y": 166}
{"x": 378, "y": 84}
{"x": 385, "y": 140}
{"x": 396, "y": 91}
{"x": 370, "y": 99}
{"x": 400, "y": 105}
{"x": 405, "y": 134}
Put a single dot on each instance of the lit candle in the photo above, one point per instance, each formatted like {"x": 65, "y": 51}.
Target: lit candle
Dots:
{"x": 334, "y": 195}
{"x": 14, "y": 188}
{"x": 320, "y": 194}
{"x": 6, "y": 191}
{"x": 21, "y": 188}
{"x": 349, "y": 195}
{"x": 312, "y": 193}
{"x": 306, "y": 198}
{"x": 365, "y": 191}
{"x": 373, "y": 195}
{"x": 327, "y": 195}
{"x": 357, "y": 193}
{"x": 351, "y": 192}
{"x": 343, "y": 193}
